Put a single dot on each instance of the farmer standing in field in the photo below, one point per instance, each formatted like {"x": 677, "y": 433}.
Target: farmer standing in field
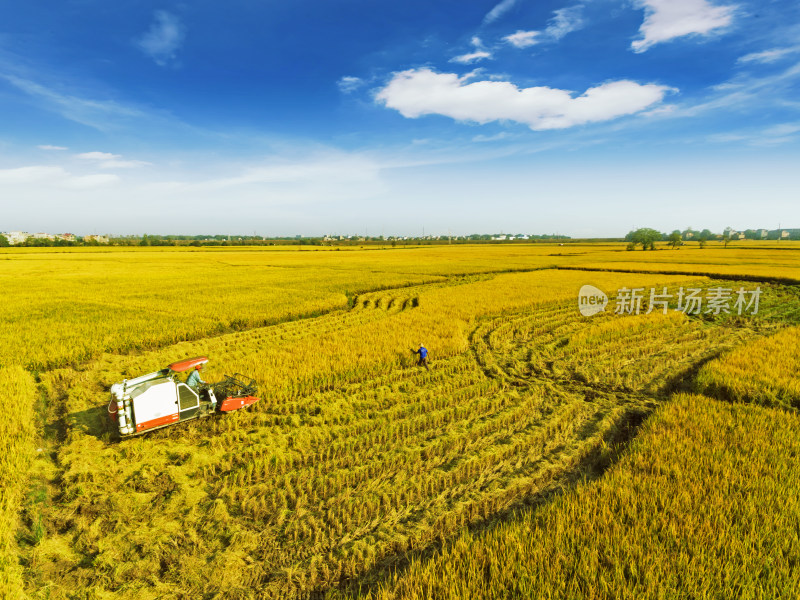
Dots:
{"x": 423, "y": 356}
{"x": 194, "y": 378}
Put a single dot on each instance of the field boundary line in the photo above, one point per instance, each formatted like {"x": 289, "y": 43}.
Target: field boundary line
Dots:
{"x": 724, "y": 276}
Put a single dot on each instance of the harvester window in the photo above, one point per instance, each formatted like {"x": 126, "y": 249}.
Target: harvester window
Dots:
{"x": 188, "y": 399}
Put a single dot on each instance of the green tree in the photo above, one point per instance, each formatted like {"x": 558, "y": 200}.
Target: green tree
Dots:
{"x": 644, "y": 236}
{"x": 726, "y": 238}
{"x": 4, "y": 242}
{"x": 675, "y": 239}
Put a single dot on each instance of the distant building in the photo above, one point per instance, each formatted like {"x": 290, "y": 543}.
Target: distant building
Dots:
{"x": 763, "y": 233}
{"x": 67, "y": 237}
{"x": 16, "y": 237}
{"x": 43, "y": 236}
{"x": 785, "y": 235}
{"x": 100, "y": 239}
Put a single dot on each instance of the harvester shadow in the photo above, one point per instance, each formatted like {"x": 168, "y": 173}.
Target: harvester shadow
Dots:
{"x": 93, "y": 422}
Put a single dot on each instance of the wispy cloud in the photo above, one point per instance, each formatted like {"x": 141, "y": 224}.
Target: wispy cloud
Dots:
{"x": 83, "y": 182}
{"x": 349, "y": 84}
{"x": 479, "y": 53}
{"x": 503, "y": 135}
{"x": 338, "y": 168}
{"x": 471, "y": 57}
{"x": 563, "y": 21}
{"x": 669, "y": 19}
{"x": 164, "y": 38}
{"x": 499, "y": 10}
{"x": 783, "y": 129}
{"x": 99, "y": 114}
{"x": 523, "y": 39}
{"x": 35, "y": 173}
{"x": 769, "y": 56}
{"x": 53, "y": 148}
{"x": 106, "y": 160}
{"x": 54, "y": 176}
{"x": 744, "y": 94}
{"x": 768, "y": 136}
{"x": 419, "y": 92}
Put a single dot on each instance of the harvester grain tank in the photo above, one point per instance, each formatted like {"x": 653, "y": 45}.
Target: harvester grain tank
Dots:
{"x": 160, "y": 398}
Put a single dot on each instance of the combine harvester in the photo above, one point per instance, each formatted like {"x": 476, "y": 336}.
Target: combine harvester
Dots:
{"x": 160, "y": 399}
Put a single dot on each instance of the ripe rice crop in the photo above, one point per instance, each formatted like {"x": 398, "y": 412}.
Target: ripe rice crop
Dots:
{"x": 354, "y": 457}
{"x": 774, "y": 382}
{"x": 17, "y": 392}
{"x": 688, "y": 512}
{"x": 66, "y": 306}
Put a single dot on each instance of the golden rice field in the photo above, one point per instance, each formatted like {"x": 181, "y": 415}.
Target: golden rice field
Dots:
{"x": 707, "y": 510}
{"x": 545, "y": 454}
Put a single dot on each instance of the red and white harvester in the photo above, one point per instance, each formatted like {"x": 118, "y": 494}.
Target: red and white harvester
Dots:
{"x": 159, "y": 399}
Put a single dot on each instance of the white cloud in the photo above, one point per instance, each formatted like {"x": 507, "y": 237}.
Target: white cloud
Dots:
{"x": 668, "y": 19}
{"x": 348, "y": 84}
{"x": 49, "y": 147}
{"x": 471, "y": 57}
{"x": 106, "y": 160}
{"x": 523, "y": 39}
{"x": 564, "y": 21}
{"x": 499, "y": 10}
{"x": 418, "y": 92}
{"x": 479, "y": 54}
{"x": 768, "y": 56}
{"x": 163, "y": 39}
{"x": 661, "y": 111}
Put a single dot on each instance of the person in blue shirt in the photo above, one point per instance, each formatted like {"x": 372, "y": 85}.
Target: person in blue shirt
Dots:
{"x": 423, "y": 356}
{"x": 194, "y": 379}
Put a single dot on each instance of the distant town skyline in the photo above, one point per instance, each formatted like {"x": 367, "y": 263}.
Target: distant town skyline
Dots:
{"x": 588, "y": 117}
{"x": 23, "y": 238}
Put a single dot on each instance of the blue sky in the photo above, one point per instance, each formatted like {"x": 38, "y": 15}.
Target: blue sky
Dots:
{"x": 587, "y": 118}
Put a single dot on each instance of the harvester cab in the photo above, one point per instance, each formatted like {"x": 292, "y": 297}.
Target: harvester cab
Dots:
{"x": 160, "y": 398}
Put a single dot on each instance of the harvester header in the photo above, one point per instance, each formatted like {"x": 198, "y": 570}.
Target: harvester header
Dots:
{"x": 187, "y": 364}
